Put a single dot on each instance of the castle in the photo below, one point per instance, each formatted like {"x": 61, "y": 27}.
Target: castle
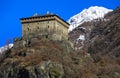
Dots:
{"x": 49, "y": 26}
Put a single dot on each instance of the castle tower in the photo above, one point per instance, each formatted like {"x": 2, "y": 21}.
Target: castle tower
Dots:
{"x": 49, "y": 26}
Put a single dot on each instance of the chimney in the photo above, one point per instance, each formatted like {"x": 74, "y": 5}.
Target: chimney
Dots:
{"x": 35, "y": 14}
{"x": 48, "y": 12}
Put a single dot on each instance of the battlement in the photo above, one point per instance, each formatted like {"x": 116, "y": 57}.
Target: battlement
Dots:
{"x": 46, "y": 17}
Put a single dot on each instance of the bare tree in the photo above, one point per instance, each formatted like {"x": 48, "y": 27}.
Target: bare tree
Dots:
{"x": 8, "y": 48}
{"x": 7, "y": 43}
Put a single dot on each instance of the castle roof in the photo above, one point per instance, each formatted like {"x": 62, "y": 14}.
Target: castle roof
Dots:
{"x": 45, "y": 17}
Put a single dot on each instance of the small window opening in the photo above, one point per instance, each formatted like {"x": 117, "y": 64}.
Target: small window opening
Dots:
{"x": 28, "y": 29}
{"x": 46, "y": 36}
{"x": 37, "y": 27}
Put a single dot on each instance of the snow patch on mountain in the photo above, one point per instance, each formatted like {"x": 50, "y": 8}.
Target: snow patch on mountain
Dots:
{"x": 86, "y": 15}
{"x": 4, "y": 48}
{"x": 81, "y": 37}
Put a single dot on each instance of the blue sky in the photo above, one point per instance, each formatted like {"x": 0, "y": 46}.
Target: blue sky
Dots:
{"x": 12, "y": 10}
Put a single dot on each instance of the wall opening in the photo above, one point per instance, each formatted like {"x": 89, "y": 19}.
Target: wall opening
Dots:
{"x": 46, "y": 36}
{"x": 37, "y": 27}
{"x": 48, "y": 26}
{"x": 28, "y": 29}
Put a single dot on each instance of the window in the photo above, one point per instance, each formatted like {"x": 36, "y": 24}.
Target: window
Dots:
{"x": 48, "y": 26}
{"x": 46, "y": 36}
{"x": 37, "y": 27}
{"x": 28, "y": 29}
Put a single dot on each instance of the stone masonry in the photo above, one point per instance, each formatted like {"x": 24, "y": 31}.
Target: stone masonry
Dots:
{"x": 45, "y": 26}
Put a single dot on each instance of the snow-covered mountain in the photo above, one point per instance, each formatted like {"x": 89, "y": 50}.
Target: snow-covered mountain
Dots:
{"x": 86, "y": 15}
{"x": 5, "y": 47}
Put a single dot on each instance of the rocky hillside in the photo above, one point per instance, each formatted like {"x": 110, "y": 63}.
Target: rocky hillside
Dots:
{"x": 42, "y": 58}
{"x": 104, "y": 31}
{"x": 45, "y": 59}
{"x": 101, "y": 40}
{"x": 106, "y": 38}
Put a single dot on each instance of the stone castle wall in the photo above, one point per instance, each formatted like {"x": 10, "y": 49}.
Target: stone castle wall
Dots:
{"x": 51, "y": 29}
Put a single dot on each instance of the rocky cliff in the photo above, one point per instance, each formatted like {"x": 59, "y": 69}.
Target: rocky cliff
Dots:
{"x": 45, "y": 59}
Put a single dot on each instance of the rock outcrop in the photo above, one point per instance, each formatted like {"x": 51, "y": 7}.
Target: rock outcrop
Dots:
{"x": 45, "y": 59}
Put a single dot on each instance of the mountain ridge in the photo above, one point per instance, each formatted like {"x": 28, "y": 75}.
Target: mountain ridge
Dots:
{"x": 86, "y": 15}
